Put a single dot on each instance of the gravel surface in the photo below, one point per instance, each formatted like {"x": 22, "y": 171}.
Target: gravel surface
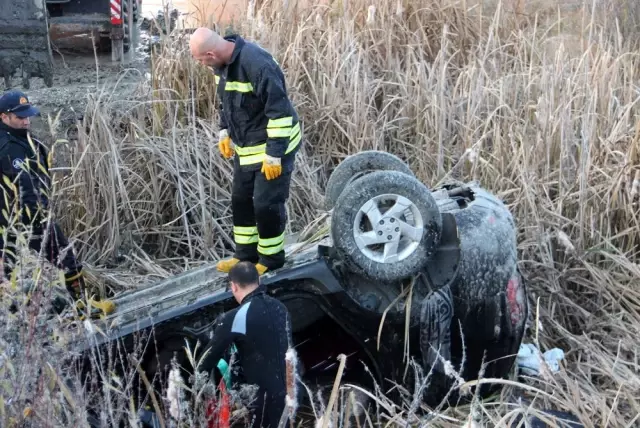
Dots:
{"x": 79, "y": 72}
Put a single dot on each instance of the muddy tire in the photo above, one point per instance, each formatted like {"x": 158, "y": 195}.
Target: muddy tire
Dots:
{"x": 136, "y": 10}
{"x": 126, "y": 25}
{"x": 105, "y": 45}
{"x": 357, "y": 165}
{"x": 386, "y": 225}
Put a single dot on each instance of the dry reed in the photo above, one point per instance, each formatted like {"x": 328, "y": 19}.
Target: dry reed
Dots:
{"x": 540, "y": 108}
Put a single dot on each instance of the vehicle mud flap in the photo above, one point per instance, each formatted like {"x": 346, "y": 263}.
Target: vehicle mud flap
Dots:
{"x": 24, "y": 42}
{"x": 436, "y": 317}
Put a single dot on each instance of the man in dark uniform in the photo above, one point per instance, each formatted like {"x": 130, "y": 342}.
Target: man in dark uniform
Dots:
{"x": 26, "y": 183}
{"x": 258, "y": 124}
{"x": 260, "y": 329}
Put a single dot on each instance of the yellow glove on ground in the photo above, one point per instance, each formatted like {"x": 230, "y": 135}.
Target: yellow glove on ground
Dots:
{"x": 271, "y": 167}
{"x": 225, "y": 144}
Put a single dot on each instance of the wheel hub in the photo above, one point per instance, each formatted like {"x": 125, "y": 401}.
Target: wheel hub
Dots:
{"x": 388, "y": 228}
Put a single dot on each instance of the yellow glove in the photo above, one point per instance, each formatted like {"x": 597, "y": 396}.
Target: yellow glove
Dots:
{"x": 271, "y": 167}
{"x": 225, "y": 144}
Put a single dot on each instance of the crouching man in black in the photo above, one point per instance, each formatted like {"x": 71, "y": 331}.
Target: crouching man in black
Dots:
{"x": 260, "y": 329}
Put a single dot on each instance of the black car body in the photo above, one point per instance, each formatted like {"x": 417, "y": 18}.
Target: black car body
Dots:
{"x": 469, "y": 298}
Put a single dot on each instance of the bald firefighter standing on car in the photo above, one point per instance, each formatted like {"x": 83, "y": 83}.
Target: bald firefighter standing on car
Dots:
{"x": 258, "y": 124}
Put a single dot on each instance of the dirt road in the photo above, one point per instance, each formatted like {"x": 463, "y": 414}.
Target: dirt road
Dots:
{"x": 79, "y": 72}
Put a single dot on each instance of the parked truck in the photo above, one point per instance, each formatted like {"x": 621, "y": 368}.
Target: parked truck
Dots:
{"x": 28, "y": 27}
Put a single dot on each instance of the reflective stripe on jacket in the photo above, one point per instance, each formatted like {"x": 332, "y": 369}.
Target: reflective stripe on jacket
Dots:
{"x": 254, "y": 105}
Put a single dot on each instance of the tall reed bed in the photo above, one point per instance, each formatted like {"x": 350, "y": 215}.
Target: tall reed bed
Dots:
{"x": 542, "y": 108}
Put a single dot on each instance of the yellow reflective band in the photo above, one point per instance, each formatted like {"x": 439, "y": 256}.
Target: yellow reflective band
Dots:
{"x": 268, "y": 242}
{"x": 270, "y": 250}
{"x": 253, "y": 159}
{"x": 242, "y": 239}
{"x": 271, "y": 246}
{"x": 245, "y": 230}
{"x": 245, "y": 234}
{"x": 238, "y": 86}
{"x": 296, "y": 137}
{"x": 256, "y": 154}
{"x": 295, "y": 130}
{"x": 280, "y": 123}
{"x": 217, "y": 79}
{"x": 278, "y": 132}
{"x": 294, "y": 143}
{"x": 252, "y": 150}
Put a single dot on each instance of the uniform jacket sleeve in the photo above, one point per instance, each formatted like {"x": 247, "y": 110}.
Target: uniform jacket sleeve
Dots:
{"x": 222, "y": 338}
{"x": 269, "y": 85}
{"x": 222, "y": 123}
{"x": 12, "y": 159}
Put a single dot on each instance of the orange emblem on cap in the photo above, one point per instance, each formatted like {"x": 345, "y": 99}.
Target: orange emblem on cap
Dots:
{"x": 23, "y": 100}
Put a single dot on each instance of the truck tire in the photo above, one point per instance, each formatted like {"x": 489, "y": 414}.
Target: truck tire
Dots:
{"x": 136, "y": 10}
{"x": 126, "y": 25}
{"x": 404, "y": 234}
{"x": 105, "y": 44}
{"x": 355, "y": 166}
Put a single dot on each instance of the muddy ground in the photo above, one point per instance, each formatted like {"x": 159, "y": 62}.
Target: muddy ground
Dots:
{"x": 80, "y": 72}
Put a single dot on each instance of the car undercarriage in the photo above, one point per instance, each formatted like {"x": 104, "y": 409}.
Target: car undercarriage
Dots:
{"x": 406, "y": 274}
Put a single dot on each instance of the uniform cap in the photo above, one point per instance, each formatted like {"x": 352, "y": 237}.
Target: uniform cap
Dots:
{"x": 17, "y": 102}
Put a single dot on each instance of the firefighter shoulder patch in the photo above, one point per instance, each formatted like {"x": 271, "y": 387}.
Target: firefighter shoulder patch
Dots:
{"x": 17, "y": 163}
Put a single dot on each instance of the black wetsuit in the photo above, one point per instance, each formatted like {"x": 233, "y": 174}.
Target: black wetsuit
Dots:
{"x": 260, "y": 329}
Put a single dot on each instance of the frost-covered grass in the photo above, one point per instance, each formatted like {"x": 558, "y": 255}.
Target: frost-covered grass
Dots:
{"x": 542, "y": 108}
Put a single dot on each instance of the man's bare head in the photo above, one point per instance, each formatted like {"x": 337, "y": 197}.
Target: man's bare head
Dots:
{"x": 209, "y": 48}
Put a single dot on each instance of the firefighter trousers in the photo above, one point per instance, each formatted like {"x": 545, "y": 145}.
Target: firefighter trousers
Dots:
{"x": 259, "y": 214}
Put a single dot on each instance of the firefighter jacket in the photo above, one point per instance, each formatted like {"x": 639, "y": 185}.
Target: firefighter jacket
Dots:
{"x": 254, "y": 106}
{"x": 24, "y": 167}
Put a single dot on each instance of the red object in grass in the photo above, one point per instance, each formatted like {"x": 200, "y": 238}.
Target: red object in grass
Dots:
{"x": 219, "y": 411}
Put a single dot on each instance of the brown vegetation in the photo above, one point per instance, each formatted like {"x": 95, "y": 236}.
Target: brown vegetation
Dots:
{"x": 460, "y": 92}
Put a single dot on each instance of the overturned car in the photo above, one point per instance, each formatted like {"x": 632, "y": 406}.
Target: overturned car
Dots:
{"x": 405, "y": 274}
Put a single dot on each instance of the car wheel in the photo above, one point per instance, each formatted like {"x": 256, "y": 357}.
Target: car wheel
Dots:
{"x": 357, "y": 165}
{"x": 386, "y": 225}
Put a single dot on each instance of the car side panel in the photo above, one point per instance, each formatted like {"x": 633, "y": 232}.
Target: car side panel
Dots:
{"x": 489, "y": 295}
{"x": 489, "y": 249}
{"x": 208, "y": 306}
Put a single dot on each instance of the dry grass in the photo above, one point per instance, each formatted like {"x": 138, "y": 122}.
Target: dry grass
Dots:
{"x": 540, "y": 108}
